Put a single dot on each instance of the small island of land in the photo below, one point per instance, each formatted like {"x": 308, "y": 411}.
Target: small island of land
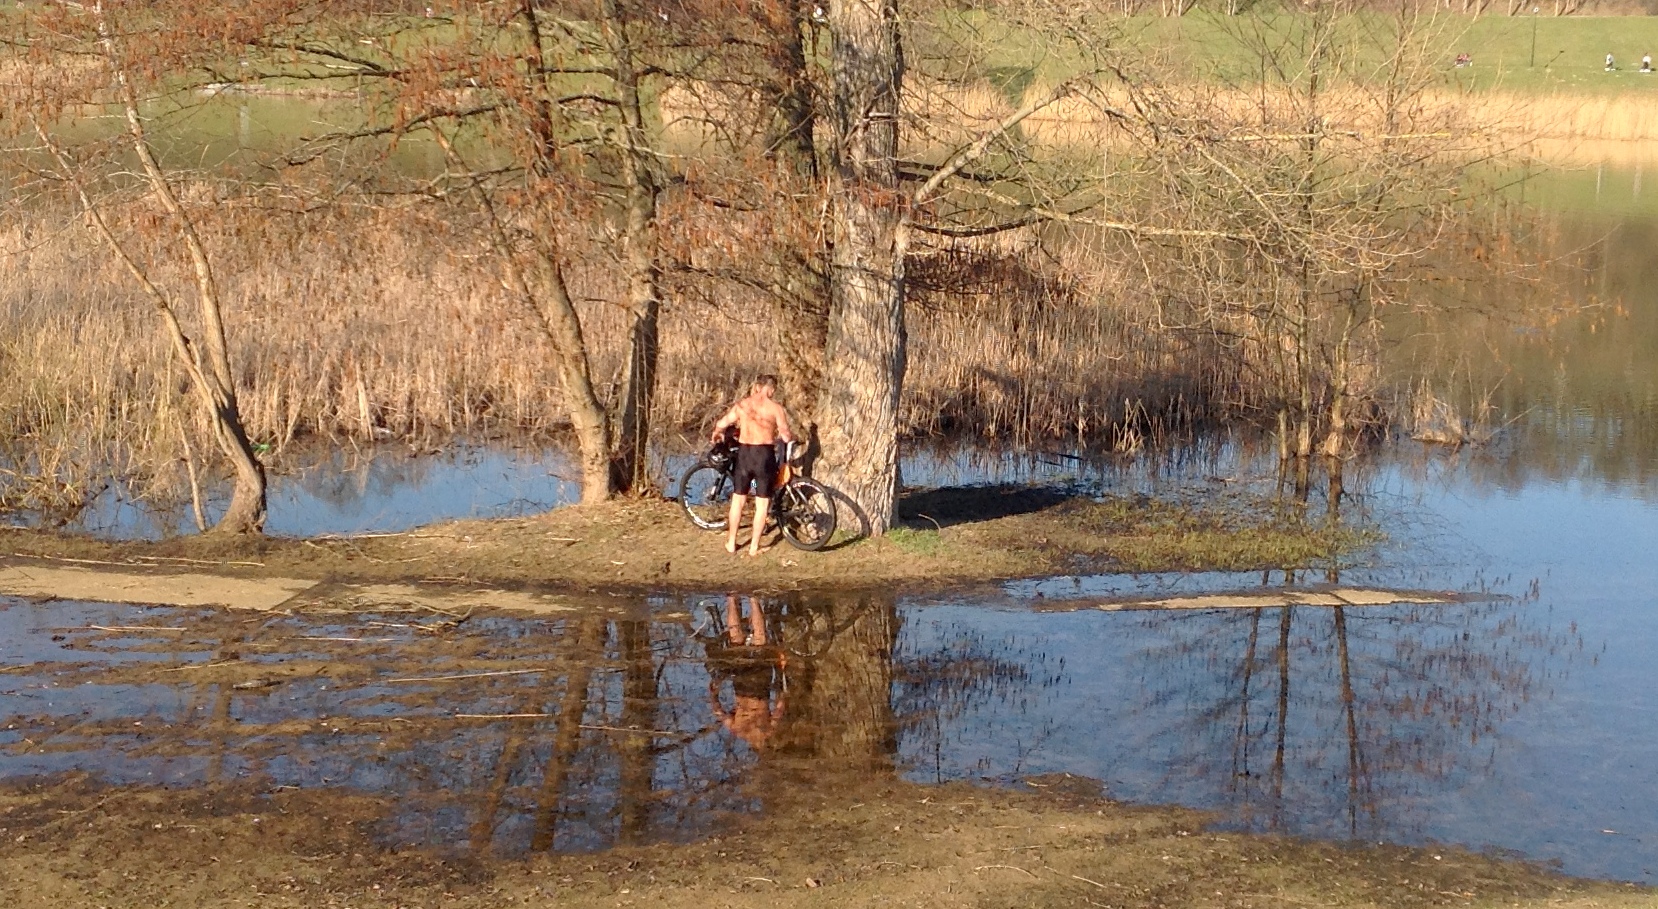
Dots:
{"x": 950, "y": 537}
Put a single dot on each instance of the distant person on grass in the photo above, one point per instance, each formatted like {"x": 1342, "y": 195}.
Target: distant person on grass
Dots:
{"x": 1611, "y": 64}
{"x": 1646, "y": 63}
{"x": 760, "y": 422}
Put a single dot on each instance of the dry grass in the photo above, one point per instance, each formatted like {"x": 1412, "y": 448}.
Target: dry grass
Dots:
{"x": 373, "y": 323}
{"x": 391, "y": 324}
{"x": 363, "y": 326}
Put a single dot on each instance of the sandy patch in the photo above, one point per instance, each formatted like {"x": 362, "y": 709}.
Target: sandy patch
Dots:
{"x": 107, "y": 585}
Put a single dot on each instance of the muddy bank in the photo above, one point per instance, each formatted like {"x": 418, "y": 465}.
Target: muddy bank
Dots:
{"x": 950, "y": 537}
{"x": 69, "y": 844}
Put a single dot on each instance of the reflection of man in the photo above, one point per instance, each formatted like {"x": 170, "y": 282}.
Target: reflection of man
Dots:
{"x": 755, "y": 667}
{"x": 760, "y": 422}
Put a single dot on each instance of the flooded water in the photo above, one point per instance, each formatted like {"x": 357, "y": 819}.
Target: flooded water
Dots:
{"x": 1518, "y": 720}
{"x": 1522, "y": 719}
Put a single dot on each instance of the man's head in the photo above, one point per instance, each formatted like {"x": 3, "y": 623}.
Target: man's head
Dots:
{"x": 765, "y": 383}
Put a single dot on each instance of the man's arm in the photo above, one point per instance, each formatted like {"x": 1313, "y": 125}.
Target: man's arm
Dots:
{"x": 783, "y": 429}
{"x": 725, "y": 422}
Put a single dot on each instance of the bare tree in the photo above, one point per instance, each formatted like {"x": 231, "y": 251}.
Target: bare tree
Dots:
{"x": 76, "y": 31}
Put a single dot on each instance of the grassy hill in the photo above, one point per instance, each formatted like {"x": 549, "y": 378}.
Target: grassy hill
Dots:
{"x": 1516, "y": 54}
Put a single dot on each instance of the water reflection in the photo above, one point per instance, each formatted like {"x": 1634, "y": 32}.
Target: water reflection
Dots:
{"x": 365, "y": 490}
{"x": 1338, "y": 721}
{"x": 510, "y": 734}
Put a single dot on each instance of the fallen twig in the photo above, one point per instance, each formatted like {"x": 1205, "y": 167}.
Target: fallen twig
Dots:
{"x": 553, "y": 716}
{"x": 470, "y": 675}
{"x": 208, "y": 665}
{"x": 156, "y": 558}
{"x": 133, "y": 628}
{"x": 24, "y": 555}
{"x": 1008, "y": 867}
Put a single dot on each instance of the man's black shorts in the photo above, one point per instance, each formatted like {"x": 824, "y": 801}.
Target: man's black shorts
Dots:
{"x": 757, "y": 465}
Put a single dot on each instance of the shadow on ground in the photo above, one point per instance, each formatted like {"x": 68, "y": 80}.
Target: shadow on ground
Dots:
{"x": 953, "y": 505}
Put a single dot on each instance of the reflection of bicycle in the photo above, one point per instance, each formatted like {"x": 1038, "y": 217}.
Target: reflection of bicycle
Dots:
{"x": 787, "y": 628}
{"x": 803, "y": 508}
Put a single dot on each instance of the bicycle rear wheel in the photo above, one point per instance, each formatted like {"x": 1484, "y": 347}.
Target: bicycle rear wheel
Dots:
{"x": 705, "y": 494}
{"x": 806, "y": 514}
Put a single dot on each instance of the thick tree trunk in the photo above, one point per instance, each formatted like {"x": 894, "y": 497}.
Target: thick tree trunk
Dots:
{"x": 865, "y": 357}
{"x": 639, "y": 255}
{"x": 800, "y": 279}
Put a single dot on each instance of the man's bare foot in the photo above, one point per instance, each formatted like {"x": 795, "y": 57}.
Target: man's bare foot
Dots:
{"x": 731, "y": 546}
{"x": 754, "y": 552}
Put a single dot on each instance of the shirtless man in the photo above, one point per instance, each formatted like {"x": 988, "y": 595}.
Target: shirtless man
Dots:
{"x": 760, "y": 422}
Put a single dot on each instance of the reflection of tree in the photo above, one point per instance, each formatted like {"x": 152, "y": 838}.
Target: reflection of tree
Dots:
{"x": 1564, "y": 362}
{"x": 1339, "y": 712}
{"x": 502, "y": 733}
{"x": 843, "y": 698}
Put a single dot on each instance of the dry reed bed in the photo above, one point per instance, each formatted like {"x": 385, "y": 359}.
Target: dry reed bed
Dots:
{"x": 940, "y": 114}
{"x": 391, "y": 324}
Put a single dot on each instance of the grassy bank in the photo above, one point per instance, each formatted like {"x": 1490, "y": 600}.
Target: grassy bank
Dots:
{"x": 1542, "y": 75}
{"x": 949, "y": 537}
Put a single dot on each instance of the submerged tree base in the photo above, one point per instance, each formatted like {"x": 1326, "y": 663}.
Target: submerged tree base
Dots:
{"x": 947, "y": 537}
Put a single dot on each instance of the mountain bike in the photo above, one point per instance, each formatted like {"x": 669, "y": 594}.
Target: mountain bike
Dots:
{"x": 803, "y": 508}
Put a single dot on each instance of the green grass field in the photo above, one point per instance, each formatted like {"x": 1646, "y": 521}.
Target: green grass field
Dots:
{"x": 1519, "y": 54}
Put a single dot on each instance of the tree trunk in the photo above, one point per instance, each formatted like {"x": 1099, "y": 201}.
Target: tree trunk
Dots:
{"x": 639, "y": 255}
{"x": 558, "y": 316}
{"x": 858, "y": 409}
{"x": 800, "y": 279}
{"x": 587, "y": 415}
{"x": 214, "y": 380}
{"x": 1336, "y": 433}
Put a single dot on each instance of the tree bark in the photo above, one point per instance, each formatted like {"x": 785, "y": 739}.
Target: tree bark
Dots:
{"x": 800, "y": 280}
{"x": 640, "y": 260}
{"x": 587, "y": 415}
{"x": 865, "y": 355}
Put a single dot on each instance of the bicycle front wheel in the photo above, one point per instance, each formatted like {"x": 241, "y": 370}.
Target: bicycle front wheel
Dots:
{"x": 705, "y": 494}
{"x": 806, "y": 514}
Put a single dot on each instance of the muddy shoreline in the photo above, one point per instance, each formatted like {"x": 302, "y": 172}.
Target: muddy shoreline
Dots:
{"x": 1052, "y": 844}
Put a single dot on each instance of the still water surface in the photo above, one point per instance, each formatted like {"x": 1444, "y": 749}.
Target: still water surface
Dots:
{"x": 1524, "y": 719}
